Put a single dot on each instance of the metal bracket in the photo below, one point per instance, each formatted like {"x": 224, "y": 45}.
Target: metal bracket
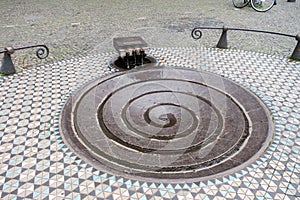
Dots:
{"x": 8, "y": 67}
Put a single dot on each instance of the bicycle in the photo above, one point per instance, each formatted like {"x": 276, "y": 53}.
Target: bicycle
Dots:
{"x": 258, "y": 5}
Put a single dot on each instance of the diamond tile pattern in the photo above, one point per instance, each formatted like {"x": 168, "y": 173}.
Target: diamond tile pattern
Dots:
{"x": 36, "y": 164}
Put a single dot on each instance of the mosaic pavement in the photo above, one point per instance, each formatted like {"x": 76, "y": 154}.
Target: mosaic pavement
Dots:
{"x": 36, "y": 164}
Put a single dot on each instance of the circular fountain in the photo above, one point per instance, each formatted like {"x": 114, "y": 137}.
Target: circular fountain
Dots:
{"x": 166, "y": 124}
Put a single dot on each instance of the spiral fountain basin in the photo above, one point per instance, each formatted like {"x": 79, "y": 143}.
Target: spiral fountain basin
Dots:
{"x": 166, "y": 124}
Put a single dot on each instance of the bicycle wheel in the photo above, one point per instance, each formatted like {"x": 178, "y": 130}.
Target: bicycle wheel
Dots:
{"x": 240, "y": 3}
{"x": 262, "y": 5}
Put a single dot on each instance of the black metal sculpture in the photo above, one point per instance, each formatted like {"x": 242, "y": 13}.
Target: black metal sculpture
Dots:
{"x": 8, "y": 67}
{"x": 222, "y": 43}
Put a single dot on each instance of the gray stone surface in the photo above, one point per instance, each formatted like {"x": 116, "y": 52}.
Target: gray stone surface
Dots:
{"x": 74, "y": 28}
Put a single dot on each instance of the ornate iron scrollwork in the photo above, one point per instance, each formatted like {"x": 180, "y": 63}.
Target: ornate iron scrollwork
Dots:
{"x": 8, "y": 67}
{"x": 222, "y": 43}
{"x": 42, "y": 52}
{"x": 196, "y": 33}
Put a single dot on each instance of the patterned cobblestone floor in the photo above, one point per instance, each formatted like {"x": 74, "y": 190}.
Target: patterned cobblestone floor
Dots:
{"x": 37, "y": 164}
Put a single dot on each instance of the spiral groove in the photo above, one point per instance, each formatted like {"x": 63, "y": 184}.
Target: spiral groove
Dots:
{"x": 166, "y": 123}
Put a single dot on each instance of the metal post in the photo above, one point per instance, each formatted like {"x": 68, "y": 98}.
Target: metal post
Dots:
{"x": 296, "y": 52}
{"x": 223, "y": 39}
{"x": 7, "y": 66}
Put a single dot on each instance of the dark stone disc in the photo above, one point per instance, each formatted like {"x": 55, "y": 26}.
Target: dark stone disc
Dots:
{"x": 167, "y": 124}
